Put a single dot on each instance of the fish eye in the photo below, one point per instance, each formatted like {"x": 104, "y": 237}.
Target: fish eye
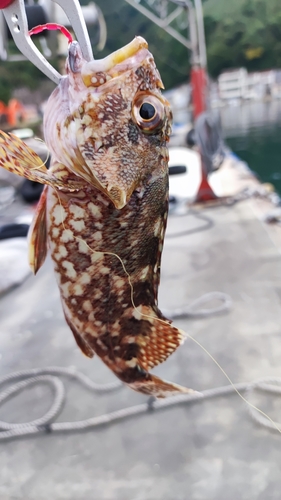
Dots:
{"x": 148, "y": 113}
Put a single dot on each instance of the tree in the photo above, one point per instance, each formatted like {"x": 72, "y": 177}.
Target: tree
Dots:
{"x": 243, "y": 33}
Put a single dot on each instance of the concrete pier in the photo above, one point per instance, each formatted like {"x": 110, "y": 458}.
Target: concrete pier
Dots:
{"x": 209, "y": 450}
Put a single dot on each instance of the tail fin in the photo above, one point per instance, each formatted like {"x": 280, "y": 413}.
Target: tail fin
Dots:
{"x": 148, "y": 339}
{"x": 155, "y": 386}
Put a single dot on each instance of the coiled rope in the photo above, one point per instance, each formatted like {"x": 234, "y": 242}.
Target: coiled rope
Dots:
{"x": 50, "y": 376}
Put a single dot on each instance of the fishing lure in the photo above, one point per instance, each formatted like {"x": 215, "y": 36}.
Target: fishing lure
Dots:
{"x": 103, "y": 210}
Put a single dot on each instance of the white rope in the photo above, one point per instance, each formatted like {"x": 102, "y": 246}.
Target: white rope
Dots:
{"x": 49, "y": 376}
{"x": 46, "y": 424}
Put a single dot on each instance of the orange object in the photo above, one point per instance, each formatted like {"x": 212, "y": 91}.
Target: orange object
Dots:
{"x": 3, "y": 111}
{"x": 205, "y": 192}
{"x": 3, "y": 108}
{"x": 15, "y": 112}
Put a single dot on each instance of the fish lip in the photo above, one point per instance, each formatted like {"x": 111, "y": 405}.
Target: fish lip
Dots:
{"x": 95, "y": 73}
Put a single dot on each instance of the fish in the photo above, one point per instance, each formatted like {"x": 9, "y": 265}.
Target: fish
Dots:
{"x": 103, "y": 211}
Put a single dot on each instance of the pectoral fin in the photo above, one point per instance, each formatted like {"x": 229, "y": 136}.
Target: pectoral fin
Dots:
{"x": 18, "y": 158}
{"x": 37, "y": 235}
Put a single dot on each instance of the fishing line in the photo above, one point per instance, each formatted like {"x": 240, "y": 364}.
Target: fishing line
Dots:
{"x": 48, "y": 155}
{"x": 153, "y": 318}
{"x": 102, "y": 252}
{"x": 232, "y": 384}
{"x": 165, "y": 322}
{"x": 9, "y": 138}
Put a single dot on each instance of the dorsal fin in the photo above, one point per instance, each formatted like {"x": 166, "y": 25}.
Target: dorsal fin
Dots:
{"x": 37, "y": 235}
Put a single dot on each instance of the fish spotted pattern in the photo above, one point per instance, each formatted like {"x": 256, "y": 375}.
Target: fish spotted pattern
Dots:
{"x": 103, "y": 211}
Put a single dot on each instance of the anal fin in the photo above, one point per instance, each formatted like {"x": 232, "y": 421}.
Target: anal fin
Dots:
{"x": 151, "y": 385}
{"x": 82, "y": 344}
{"x": 37, "y": 235}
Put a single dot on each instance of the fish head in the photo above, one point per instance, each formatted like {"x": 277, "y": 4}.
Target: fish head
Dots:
{"x": 108, "y": 122}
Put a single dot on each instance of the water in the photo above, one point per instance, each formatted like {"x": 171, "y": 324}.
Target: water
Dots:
{"x": 253, "y": 131}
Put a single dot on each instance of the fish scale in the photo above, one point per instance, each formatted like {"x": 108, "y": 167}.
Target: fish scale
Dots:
{"x": 103, "y": 212}
{"x": 97, "y": 294}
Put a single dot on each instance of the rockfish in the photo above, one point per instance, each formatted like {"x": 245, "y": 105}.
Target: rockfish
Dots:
{"x": 103, "y": 211}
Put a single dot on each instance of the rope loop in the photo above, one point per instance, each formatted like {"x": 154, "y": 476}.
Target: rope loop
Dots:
{"x": 46, "y": 424}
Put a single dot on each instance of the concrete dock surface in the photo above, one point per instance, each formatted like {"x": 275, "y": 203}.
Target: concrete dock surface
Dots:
{"x": 207, "y": 450}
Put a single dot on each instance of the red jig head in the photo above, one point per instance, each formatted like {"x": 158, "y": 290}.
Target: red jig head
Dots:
{"x": 5, "y": 3}
{"x": 51, "y": 26}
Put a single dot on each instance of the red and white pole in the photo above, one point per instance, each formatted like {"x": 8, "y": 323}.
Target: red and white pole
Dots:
{"x": 198, "y": 80}
{"x": 199, "y": 89}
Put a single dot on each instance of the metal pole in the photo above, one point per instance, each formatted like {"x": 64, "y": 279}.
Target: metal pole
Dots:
{"x": 192, "y": 29}
{"x": 3, "y": 43}
{"x": 160, "y": 22}
{"x": 201, "y": 33}
{"x": 194, "y": 59}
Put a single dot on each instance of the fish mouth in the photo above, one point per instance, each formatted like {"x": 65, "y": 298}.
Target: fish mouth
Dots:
{"x": 97, "y": 72}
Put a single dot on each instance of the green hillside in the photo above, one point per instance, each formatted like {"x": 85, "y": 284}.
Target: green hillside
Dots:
{"x": 238, "y": 33}
{"x": 124, "y": 23}
{"x": 243, "y": 33}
